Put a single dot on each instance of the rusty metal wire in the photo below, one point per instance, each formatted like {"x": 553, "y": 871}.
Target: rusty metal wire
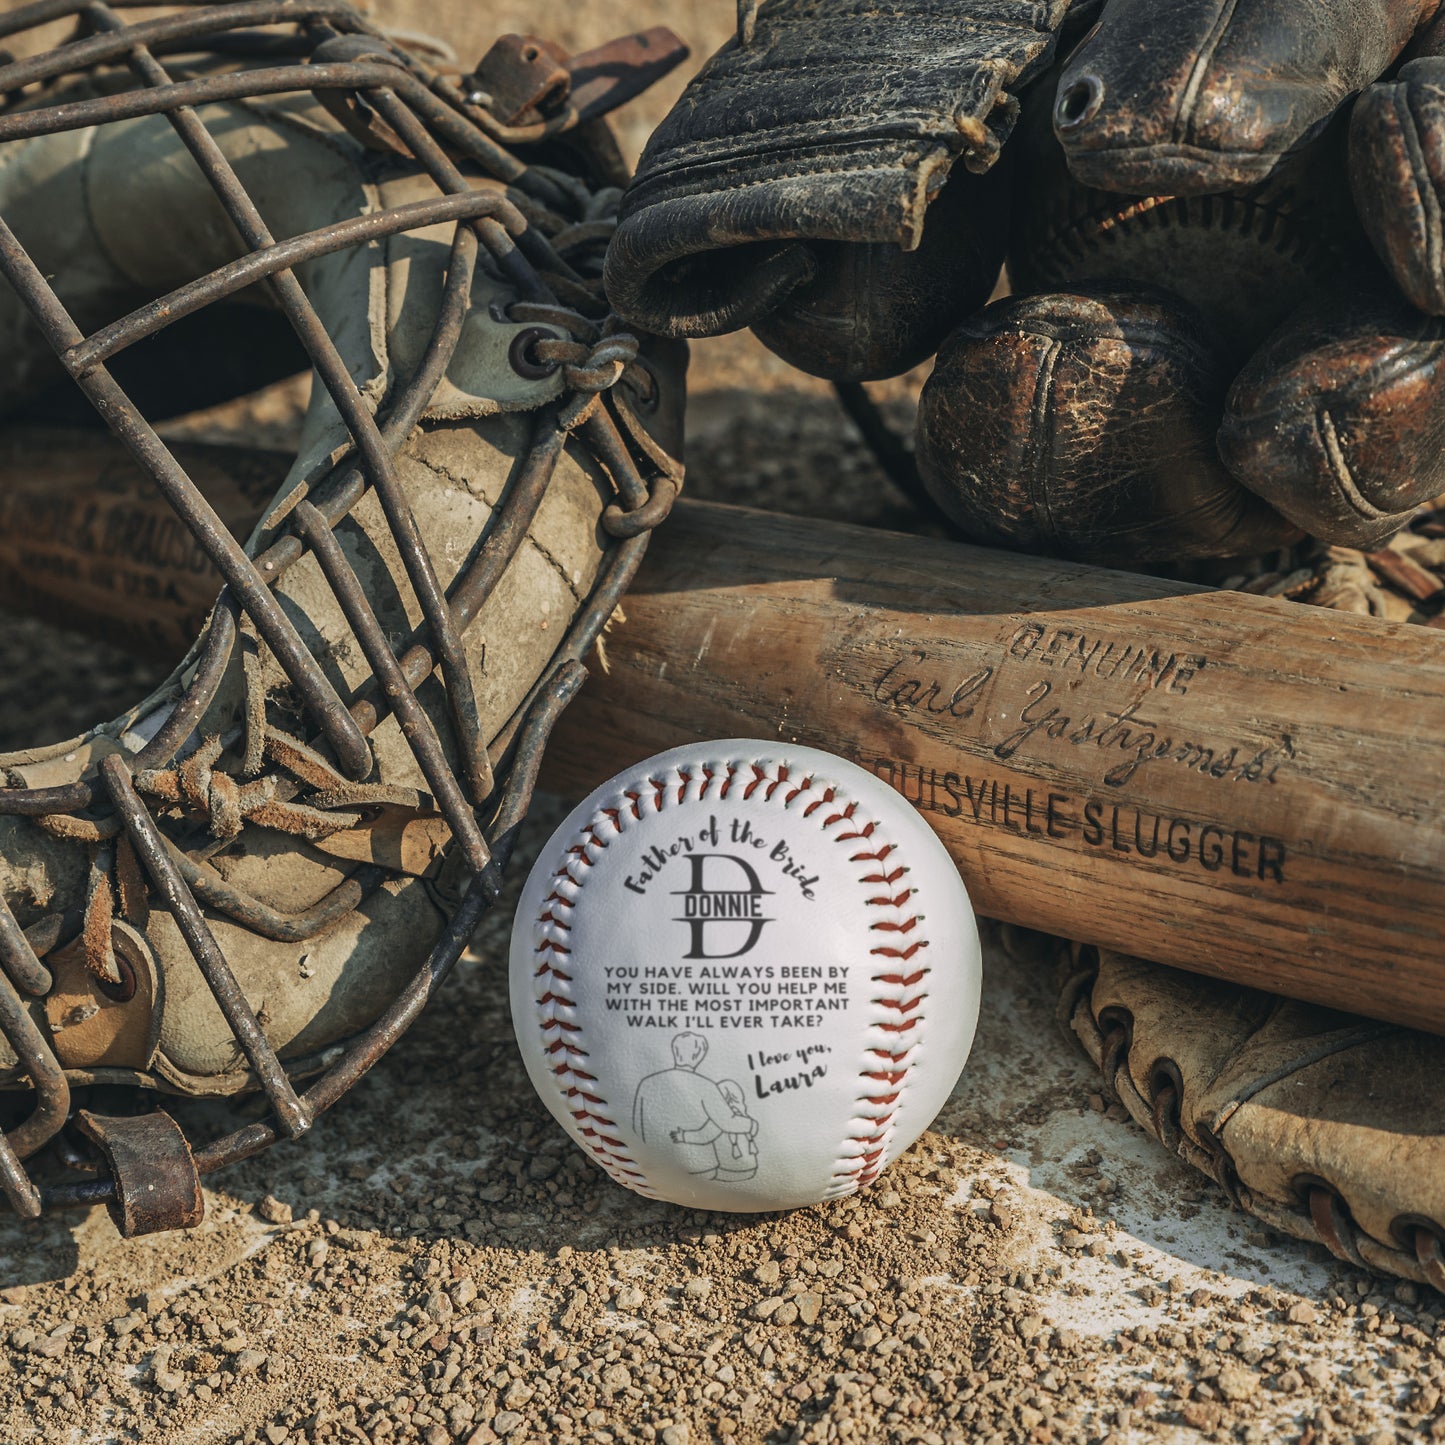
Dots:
{"x": 327, "y": 50}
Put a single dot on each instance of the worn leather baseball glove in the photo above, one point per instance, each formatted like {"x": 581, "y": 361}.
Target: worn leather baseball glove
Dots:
{"x": 258, "y": 875}
{"x": 1221, "y": 259}
{"x": 1327, "y": 1126}
{"x": 837, "y": 223}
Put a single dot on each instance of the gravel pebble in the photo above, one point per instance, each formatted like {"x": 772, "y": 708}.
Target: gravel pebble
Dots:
{"x": 1235, "y": 1382}
{"x": 273, "y": 1211}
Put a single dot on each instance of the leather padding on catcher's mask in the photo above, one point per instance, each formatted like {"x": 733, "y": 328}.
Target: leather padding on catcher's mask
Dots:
{"x": 262, "y": 871}
{"x": 833, "y": 219}
{"x": 145, "y": 223}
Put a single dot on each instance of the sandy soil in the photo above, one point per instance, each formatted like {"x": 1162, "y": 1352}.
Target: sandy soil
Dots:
{"x": 436, "y": 1263}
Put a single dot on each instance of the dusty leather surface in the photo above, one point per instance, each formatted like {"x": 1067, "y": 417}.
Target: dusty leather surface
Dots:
{"x": 1277, "y": 1096}
{"x": 1207, "y": 95}
{"x": 1339, "y": 419}
{"x": 855, "y": 114}
{"x": 1397, "y": 175}
{"x": 1018, "y": 440}
{"x": 871, "y": 310}
{"x": 1245, "y": 258}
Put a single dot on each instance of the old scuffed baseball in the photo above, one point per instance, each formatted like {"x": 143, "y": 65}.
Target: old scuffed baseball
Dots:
{"x": 744, "y": 976}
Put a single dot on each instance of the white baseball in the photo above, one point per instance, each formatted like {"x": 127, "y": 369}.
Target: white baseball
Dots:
{"x": 745, "y": 976}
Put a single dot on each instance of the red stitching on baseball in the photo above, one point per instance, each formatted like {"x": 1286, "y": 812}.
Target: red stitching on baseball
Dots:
{"x": 887, "y": 927}
{"x": 900, "y": 953}
{"x": 802, "y": 787}
{"x": 903, "y": 980}
{"x": 819, "y": 802}
{"x": 903, "y": 1005}
{"x": 889, "y": 878}
{"x": 891, "y": 902}
{"x": 898, "y": 1028}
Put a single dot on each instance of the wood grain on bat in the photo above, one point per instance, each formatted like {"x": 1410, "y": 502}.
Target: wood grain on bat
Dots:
{"x": 86, "y": 541}
{"x": 1237, "y": 785}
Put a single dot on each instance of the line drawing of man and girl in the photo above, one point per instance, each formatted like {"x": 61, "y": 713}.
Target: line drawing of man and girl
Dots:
{"x": 707, "y": 1120}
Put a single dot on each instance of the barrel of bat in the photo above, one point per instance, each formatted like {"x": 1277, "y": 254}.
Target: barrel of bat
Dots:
{"x": 1242, "y": 786}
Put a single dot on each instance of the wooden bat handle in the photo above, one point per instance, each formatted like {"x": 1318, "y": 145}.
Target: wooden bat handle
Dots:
{"x": 87, "y": 542}
{"x": 1241, "y": 786}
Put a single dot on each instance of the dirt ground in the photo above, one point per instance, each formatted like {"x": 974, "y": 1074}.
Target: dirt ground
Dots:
{"x": 436, "y": 1263}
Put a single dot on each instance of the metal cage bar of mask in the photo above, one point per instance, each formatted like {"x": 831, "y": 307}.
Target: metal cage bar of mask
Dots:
{"x": 345, "y": 60}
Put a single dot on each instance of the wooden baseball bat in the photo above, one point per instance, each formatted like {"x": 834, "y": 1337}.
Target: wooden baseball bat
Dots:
{"x": 1242, "y": 786}
{"x": 1238, "y": 785}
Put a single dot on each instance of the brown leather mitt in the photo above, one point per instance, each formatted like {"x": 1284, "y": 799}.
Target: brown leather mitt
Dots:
{"x": 807, "y": 183}
{"x": 1337, "y": 408}
{"x": 1397, "y": 174}
{"x": 1198, "y": 95}
{"x": 1327, "y": 1126}
{"x": 1244, "y": 257}
{"x": 1338, "y": 421}
{"x": 1082, "y": 425}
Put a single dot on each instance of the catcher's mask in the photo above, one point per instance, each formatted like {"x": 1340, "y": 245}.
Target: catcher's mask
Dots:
{"x": 261, "y": 873}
